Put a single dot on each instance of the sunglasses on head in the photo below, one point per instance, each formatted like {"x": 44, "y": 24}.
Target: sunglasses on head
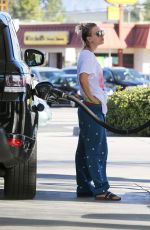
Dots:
{"x": 100, "y": 33}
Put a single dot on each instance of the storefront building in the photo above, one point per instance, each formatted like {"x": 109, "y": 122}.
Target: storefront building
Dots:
{"x": 127, "y": 46}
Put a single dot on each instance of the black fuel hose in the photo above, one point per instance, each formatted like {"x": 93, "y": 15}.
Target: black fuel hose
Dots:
{"x": 45, "y": 90}
{"x": 104, "y": 124}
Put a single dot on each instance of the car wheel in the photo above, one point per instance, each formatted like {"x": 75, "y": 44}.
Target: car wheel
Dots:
{"x": 20, "y": 181}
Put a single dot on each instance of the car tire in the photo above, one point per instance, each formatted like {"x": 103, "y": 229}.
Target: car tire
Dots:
{"x": 20, "y": 181}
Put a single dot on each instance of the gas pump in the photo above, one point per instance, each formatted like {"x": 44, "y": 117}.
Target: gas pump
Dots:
{"x": 46, "y": 91}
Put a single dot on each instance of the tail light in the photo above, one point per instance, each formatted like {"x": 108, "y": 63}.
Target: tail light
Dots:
{"x": 15, "y": 142}
{"x": 15, "y": 83}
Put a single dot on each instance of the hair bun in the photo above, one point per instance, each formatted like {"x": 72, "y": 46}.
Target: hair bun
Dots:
{"x": 79, "y": 28}
{"x": 84, "y": 30}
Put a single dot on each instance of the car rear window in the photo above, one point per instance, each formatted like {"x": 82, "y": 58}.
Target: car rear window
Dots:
{"x": 72, "y": 81}
{"x": 123, "y": 75}
{"x": 58, "y": 80}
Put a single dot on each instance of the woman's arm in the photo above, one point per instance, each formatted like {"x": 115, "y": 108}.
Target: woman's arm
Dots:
{"x": 85, "y": 86}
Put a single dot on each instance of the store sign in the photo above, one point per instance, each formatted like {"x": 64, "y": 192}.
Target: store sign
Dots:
{"x": 124, "y": 2}
{"x": 113, "y": 13}
{"x": 46, "y": 38}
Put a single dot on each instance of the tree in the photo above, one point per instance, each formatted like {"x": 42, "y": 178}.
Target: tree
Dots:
{"x": 47, "y": 10}
{"x": 147, "y": 10}
{"x": 53, "y": 10}
{"x": 25, "y": 9}
{"x": 131, "y": 14}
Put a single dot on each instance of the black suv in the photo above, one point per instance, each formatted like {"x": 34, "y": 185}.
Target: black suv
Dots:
{"x": 18, "y": 114}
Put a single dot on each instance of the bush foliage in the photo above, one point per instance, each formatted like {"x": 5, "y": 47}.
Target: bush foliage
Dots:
{"x": 130, "y": 108}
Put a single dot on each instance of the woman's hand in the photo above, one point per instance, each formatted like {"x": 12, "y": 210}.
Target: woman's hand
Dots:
{"x": 95, "y": 100}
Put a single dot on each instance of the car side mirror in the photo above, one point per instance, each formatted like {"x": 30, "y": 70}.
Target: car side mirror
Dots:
{"x": 33, "y": 57}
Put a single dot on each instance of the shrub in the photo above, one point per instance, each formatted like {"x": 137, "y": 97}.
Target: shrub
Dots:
{"x": 130, "y": 108}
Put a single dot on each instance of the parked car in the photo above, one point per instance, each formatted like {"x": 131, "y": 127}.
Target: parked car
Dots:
{"x": 45, "y": 116}
{"x": 146, "y": 77}
{"x": 18, "y": 114}
{"x": 137, "y": 75}
{"x": 67, "y": 82}
{"x": 44, "y": 111}
{"x": 70, "y": 70}
{"x": 120, "y": 76}
{"x": 45, "y": 73}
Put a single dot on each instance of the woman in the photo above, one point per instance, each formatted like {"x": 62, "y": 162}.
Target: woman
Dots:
{"x": 91, "y": 154}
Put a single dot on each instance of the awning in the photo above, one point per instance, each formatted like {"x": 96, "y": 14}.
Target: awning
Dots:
{"x": 139, "y": 37}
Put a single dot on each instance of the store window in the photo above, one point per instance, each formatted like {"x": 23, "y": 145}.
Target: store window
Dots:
{"x": 106, "y": 61}
{"x": 128, "y": 60}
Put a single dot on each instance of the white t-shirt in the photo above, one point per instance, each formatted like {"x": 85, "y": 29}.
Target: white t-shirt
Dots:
{"x": 87, "y": 63}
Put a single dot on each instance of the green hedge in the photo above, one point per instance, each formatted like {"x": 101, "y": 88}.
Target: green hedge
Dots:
{"x": 130, "y": 108}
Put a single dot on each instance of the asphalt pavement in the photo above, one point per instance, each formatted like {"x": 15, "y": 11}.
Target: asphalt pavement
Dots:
{"x": 128, "y": 172}
{"x": 56, "y": 206}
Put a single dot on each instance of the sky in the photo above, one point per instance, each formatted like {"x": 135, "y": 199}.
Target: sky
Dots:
{"x": 81, "y": 5}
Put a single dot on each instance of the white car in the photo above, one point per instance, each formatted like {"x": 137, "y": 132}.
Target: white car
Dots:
{"x": 45, "y": 115}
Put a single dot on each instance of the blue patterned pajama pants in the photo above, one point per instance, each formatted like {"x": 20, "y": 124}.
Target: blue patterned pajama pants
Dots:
{"x": 91, "y": 153}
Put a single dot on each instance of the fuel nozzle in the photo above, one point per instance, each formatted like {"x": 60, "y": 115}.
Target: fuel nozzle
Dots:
{"x": 46, "y": 91}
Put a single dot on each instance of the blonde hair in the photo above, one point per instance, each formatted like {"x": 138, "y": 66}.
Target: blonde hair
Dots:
{"x": 84, "y": 29}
